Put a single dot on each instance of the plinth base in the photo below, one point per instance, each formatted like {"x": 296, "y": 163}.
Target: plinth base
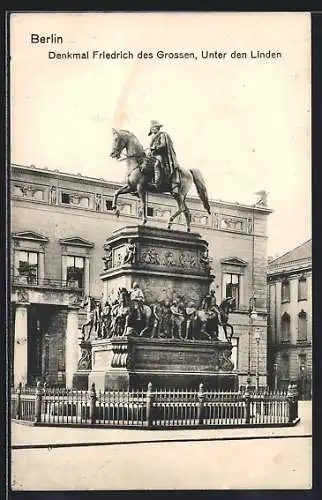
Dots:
{"x": 131, "y": 363}
{"x": 111, "y": 380}
{"x": 80, "y": 380}
{"x": 122, "y": 380}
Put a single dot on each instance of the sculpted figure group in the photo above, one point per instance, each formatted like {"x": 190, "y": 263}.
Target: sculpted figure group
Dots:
{"x": 176, "y": 319}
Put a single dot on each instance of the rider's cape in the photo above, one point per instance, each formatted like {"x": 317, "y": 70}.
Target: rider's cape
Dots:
{"x": 162, "y": 145}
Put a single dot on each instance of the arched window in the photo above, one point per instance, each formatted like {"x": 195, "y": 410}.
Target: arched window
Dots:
{"x": 285, "y": 328}
{"x": 285, "y": 290}
{"x": 302, "y": 326}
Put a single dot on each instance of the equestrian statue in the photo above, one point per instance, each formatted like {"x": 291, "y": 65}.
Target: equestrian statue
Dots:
{"x": 93, "y": 312}
{"x": 157, "y": 171}
{"x": 176, "y": 319}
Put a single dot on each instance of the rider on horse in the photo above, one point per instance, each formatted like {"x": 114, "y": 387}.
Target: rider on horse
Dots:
{"x": 166, "y": 164}
{"x": 137, "y": 299}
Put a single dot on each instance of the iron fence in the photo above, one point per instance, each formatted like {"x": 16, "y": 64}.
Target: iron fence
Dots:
{"x": 166, "y": 408}
{"x": 23, "y": 404}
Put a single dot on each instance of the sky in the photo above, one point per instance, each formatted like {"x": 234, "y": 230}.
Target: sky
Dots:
{"x": 244, "y": 122}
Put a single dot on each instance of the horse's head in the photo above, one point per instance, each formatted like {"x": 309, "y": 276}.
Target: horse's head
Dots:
{"x": 230, "y": 304}
{"x": 84, "y": 302}
{"x": 119, "y": 143}
{"x": 123, "y": 296}
{"x": 125, "y": 139}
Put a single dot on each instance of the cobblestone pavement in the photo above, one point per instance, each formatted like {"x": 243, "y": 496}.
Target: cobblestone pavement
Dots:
{"x": 283, "y": 463}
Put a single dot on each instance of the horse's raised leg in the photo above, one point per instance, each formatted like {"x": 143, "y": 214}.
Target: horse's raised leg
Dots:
{"x": 123, "y": 190}
{"x": 142, "y": 195}
{"x": 90, "y": 324}
{"x": 178, "y": 212}
{"x": 231, "y": 330}
{"x": 225, "y": 331}
{"x": 187, "y": 215}
{"x": 83, "y": 328}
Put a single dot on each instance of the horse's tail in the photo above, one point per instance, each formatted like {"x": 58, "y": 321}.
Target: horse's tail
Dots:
{"x": 201, "y": 188}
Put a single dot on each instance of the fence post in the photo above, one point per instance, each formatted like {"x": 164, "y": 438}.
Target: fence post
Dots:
{"x": 18, "y": 409}
{"x": 149, "y": 402}
{"x": 201, "y": 408}
{"x": 38, "y": 402}
{"x": 266, "y": 403}
{"x": 292, "y": 396}
{"x": 92, "y": 404}
{"x": 247, "y": 403}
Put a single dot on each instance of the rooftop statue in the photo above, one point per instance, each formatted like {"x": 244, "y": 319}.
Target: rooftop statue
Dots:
{"x": 157, "y": 171}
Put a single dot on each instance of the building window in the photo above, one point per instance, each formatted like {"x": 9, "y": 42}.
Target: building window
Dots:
{"x": 302, "y": 327}
{"x": 232, "y": 287}
{"x": 28, "y": 267}
{"x": 65, "y": 198}
{"x": 286, "y": 328}
{"x": 285, "y": 290}
{"x": 108, "y": 205}
{"x": 302, "y": 288}
{"x": 150, "y": 211}
{"x": 285, "y": 367}
{"x": 75, "y": 272}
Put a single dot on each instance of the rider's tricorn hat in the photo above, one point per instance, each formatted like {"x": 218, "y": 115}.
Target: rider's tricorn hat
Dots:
{"x": 154, "y": 123}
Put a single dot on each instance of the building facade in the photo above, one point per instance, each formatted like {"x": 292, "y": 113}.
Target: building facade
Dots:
{"x": 290, "y": 319}
{"x": 59, "y": 223}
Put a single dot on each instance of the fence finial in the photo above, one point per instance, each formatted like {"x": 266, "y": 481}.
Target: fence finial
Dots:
{"x": 92, "y": 405}
{"x": 149, "y": 405}
{"x": 201, "y": 399}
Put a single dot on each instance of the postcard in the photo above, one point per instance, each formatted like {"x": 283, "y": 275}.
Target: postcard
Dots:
{"x": 160, "y": 251}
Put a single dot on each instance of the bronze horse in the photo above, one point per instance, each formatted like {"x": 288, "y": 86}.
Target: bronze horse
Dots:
{"x": 228, "y": 305}
{"x": 140, "y": 173}
{"x": 210, "y": 320}
{"x": 126, "y": 315}
{"x": 92, "y": 320}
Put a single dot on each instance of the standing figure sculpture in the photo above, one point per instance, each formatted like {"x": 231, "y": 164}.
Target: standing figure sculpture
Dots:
{"x": 107, "y": 259}
{"x": 130, "y": 252}
{"x": 106, "y": 320}
{"x": 114, "y": 310}
{"x": 205, "y": 261}
{"x": 141, "y": 167}
{"x": 158, "y": 312}
{"x": 192, "y": 321}
{"x": 53, "y": 195}
{"x": 177, "y": 319}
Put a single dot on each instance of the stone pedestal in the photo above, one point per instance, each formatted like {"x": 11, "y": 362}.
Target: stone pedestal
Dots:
{"x": 167, "y": 264}
{"x": 133, "y": 362}
{"x": 84, "y": 366}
